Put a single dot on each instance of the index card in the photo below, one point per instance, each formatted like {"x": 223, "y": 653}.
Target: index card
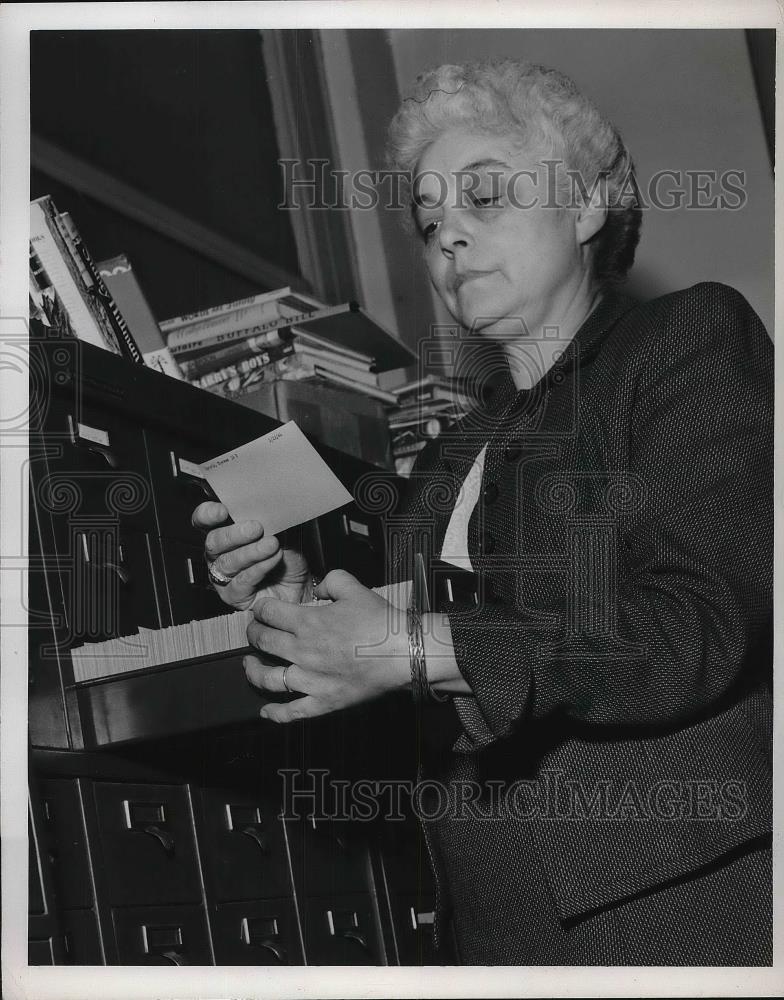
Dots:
{"x": 279, "y": 480}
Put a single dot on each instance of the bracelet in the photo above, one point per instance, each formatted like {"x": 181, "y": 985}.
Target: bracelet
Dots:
{"x": 309, "y": 594}
{"x": 416, "y": 653}
{"x": 420, "y": 687}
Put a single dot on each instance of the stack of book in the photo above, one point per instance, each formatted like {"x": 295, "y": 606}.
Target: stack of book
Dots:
{"x": 423, "y": 409}
{"x": 73, "y": 296}
{"x": 232, "y": 349}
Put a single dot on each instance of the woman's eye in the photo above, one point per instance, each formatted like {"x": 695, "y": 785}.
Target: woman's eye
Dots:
{"x": 429, "y": 229}
{"x": 486, "y": 202}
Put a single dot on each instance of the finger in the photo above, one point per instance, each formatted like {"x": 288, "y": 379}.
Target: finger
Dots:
{"x": 209, "y": 514}
{"x": 250, "y": 577}
{"x": 271, "y": 640}
{"x": 338, "y": 584}
{"x": 267, "y": 677}
{"x": 266, "y": 551}
{"x": 292, "y": 711}
{"x": 231, "y": 537}
{"x": 280, "y": 614}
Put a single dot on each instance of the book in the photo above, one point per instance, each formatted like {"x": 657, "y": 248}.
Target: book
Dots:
{"x": 312, "y": 340}
{"x": 307, "y": 350}
{"x": 120, "y": 279}
{"x": 418, "y": 415}
{"x": 435, "y": 387}
{"x": 429, "y": 426}
{"x": 203, "y": 363}
{"x": 242, "y": 366}
{"x": 190, "y": 319}
{"x": 240, "y": 385}
{"x": 86, "y": 317}
{"x": 408, "y": 448}
{"x": 316, "y": 366}
{"x": 404, "y": 464}
{"x": 349, "y": 326}
{"x": 45, "y": 304}
{"x": 369, "y": 390}
{"x": 258, "y": 318}
{"x": 97, "y": 285}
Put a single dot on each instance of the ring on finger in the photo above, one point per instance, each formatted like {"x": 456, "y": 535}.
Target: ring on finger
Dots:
{"x": 218, "y": 578}
{"x": 283, "y": 678}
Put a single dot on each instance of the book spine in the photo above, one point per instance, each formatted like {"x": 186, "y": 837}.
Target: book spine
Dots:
{"x": 409, "y": 448}
{"x": 51, "y": 250}
{"x": 317, "y": 354}
{"x": 205, "y": 343}
{"x": 204, "y": 363}
{"x": 119, "y": 326}
{"x": 368, "y": 390}
{"x": 119, "y": 277}
{"x": 162, "y": 361}
{"x": 310, "y": 339}
{"x": 242, "y": 367}
{"x": 45, "y": 304}
{"x": 81, "y": 258}
{"x": 214, "y": 312}
{"x": 241, "y": 385}
{"x": 212, "y": 330}
{"x": 353, "y": 374}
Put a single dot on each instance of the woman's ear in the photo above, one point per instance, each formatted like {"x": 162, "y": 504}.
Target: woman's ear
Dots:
{"x": 591, "y": 216}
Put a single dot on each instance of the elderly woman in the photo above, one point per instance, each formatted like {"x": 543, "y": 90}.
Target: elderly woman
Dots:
{"x": 607, "y": 798}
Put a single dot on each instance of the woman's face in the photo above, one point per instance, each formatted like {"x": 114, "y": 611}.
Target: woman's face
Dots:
{"x": 496, "y": 253}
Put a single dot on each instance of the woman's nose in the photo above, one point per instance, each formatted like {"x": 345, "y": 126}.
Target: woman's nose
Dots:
{"x": 454, "y": 231}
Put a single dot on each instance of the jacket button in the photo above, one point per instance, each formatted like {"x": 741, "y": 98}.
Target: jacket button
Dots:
{"x": 512, "y": 452}
{"x": 487, "y": 543}
{"x": 490, "y": 493}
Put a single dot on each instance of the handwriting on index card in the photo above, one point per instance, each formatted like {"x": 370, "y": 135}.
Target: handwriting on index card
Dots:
{"x": 279, "y": 480}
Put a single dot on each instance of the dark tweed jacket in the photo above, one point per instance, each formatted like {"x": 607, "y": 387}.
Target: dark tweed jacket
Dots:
{"x": 619, "y": 659}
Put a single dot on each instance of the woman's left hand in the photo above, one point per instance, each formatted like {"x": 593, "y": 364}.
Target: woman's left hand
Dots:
{"x": 340, "y": 654}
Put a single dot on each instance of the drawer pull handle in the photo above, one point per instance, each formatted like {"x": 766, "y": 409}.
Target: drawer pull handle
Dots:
{"x": 256, "y": 834}
{"x": 122, "y": 573}
{"x": 277, "y": 951}
{"x": 107, "y": 453}
{"x": 354, "y": 936}
{"x": 92, "y": 439}
{"x": 164, "y": 839}
{"x": 175, "y": 958}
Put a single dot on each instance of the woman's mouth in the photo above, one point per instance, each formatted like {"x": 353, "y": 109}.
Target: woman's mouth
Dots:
{"x": 466, "y": 276}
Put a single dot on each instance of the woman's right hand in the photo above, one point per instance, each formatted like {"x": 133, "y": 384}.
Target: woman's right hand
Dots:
{"x": 254, "y": 562}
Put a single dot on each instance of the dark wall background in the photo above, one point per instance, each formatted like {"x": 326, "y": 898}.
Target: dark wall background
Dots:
{"x": 185, "y": 118}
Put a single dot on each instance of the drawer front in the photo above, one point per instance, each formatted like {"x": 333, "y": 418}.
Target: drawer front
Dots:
{"x": 246, "y": 851}
{"x": 406, "y": 860}
{"x": 147, "y": 843}
{"x": 107, "y": 583}
{"x": 190, "y": 594}
{"x": 328, "y": 857}
{"x": 353, "y": 539}
{"x": 178, "y": 487}
{"x": 264, "y": 932}
{"x": 41, "y": 952}
{"x": 96, "y": 467}
{"x": 162, "y": 935}
{"x": 413, "y": 917}
{"x": 66, "y": 841}
{"x": 81, "y": 938}
{"x": 341, "y": 930}
{"x": 36, "y": 904}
